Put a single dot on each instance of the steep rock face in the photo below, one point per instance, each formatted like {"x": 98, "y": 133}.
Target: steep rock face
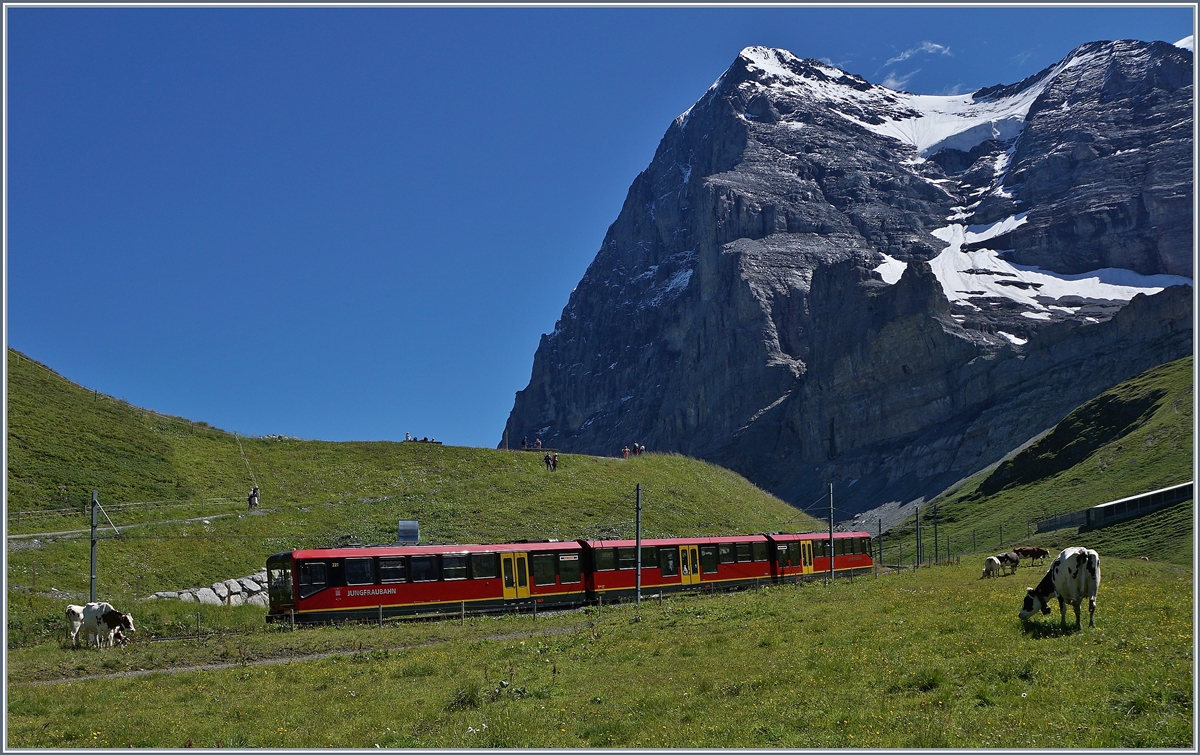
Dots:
{"x": 812, "y": 280}
{"x": 1105, "y": 165}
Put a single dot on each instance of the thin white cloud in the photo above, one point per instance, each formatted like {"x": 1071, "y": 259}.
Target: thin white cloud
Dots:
{"x": 1020, "y": 58}
{"x": 929, "y": 47}
{"x": 898, "y": 82}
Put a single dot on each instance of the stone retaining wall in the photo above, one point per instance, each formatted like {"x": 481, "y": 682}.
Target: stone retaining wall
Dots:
{"x": 251, "y": 590}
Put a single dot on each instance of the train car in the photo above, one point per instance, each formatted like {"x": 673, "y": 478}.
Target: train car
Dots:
{"x": 674, "y": 564}
{"x": 333, "y": 584}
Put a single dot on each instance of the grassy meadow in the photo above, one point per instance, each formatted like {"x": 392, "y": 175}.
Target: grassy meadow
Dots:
{"x": 932, "y": 658}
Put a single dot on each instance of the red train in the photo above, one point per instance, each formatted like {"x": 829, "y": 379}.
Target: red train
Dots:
{"x": 331, "y": 584}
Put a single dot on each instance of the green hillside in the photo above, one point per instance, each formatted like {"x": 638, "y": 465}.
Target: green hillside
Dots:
{"x": 312, "y": 493}
{"x": 1132, "y": 439}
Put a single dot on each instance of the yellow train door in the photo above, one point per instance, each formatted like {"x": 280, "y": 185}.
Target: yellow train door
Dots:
{"x": 689, "y": 564}
{"x": 515, "y": 569}
{"x": 806, "y": 557}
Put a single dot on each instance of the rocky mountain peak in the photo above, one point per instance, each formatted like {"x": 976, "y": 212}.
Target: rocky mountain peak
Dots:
{"x": 820, "y": 279}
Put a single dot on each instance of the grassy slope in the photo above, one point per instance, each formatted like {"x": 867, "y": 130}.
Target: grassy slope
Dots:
{"x": 1132, "y": 439}
{"x": 935, "y": 658}
{"x": 313, "y": 493}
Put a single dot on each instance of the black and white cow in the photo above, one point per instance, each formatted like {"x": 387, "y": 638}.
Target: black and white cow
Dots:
{"x": 991, "y": 567}
{"x": 101, "y": 621}
{"x": 1009, "y": 560}
{"x": 1073, "y": 576}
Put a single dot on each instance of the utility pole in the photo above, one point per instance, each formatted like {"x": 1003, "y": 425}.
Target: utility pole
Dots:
{"x": 935, "y": 536}
{"x": 831, "y": 532}
{"x": 881, "y": 547}
{"x": 918, "y": 536}
{"x": 95, "y": 505}
{"x": 638, "y": 540}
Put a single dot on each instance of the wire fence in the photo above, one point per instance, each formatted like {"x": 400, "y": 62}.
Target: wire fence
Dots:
{"x": 946, "y": 548}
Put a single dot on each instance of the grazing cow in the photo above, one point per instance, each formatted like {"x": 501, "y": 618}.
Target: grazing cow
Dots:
{"x": 74, "y": 622}
{"x": 991, "y": 567}
{"x": 1073, "y": 576}
{"x": 1010, "y": 560}
{"x": 101, "y": 620}
{"x": 1031, "y": 552}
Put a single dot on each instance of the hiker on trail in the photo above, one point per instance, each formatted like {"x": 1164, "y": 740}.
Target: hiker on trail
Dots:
{"x": 625, "y": 452}
{"x": 524, "y": 442}
{"x": 548, "y": 460}
{"x": 554, "y": 463}
{"x": 252, "y": 499}
{"x": 537, "y": 443}
{"x": 642, "y": 450}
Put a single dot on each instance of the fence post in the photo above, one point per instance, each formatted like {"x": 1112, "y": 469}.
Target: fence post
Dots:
{"x": 380, "y": 615}
{"x": 462, "y": 616}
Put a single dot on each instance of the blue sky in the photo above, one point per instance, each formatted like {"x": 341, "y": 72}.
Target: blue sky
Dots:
{"x": 352, "y": 223}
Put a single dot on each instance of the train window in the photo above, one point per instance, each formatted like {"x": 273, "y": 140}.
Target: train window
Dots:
{"x": 312, "y": 578}
{"x": 794, "y": 554}
{"x": 839, "y": 547}
{"x": 521, "y": 582}
{"x": 781, "y": 555}
{"x": 568, "y": 568}
{"x": 484, "y": 565}
{"x": 758, "y": 551}
{"x": 743, "y": 551}
{"x": 726, "y": 553}
{"x": 359, "y": 571}
{"x": 708, "y": 559}
{"x": 649, "y": 557}
{"x": 864, "y": 545}
{"x": 392, "y": 570}
{"x": 508, "y": 574}
{"x": 626, "y": 558}
{"x": 423, "y": 568}
{"x": 454, "y": 567}
{"x": 668, "y": 561}
{"x": 819, "y": 548}
{"x": 606, "y": 559}
{"x": 279, "y": 580}
{"x": 542, "y": 567}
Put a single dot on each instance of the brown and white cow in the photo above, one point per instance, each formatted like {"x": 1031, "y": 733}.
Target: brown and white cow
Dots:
{"x": 1009, "y": 560}
{"x": 1073, "y": 576}
{"x": 1031, "y": 552}
{"x": 101, "y": 621}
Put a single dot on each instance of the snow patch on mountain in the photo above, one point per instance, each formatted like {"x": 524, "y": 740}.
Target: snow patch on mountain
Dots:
{"x": 929, "y": 123}
{"x": 1186, "y": 43}
{"x": 982, "y": 272}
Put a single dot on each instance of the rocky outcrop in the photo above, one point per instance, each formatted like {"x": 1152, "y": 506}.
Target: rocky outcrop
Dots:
{"x": 821, "y": 280}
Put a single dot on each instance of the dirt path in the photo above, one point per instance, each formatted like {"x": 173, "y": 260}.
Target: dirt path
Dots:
{"x": 290, "y": 658}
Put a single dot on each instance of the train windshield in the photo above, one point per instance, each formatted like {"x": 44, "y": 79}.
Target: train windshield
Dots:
{"x": 279, "y": 580}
